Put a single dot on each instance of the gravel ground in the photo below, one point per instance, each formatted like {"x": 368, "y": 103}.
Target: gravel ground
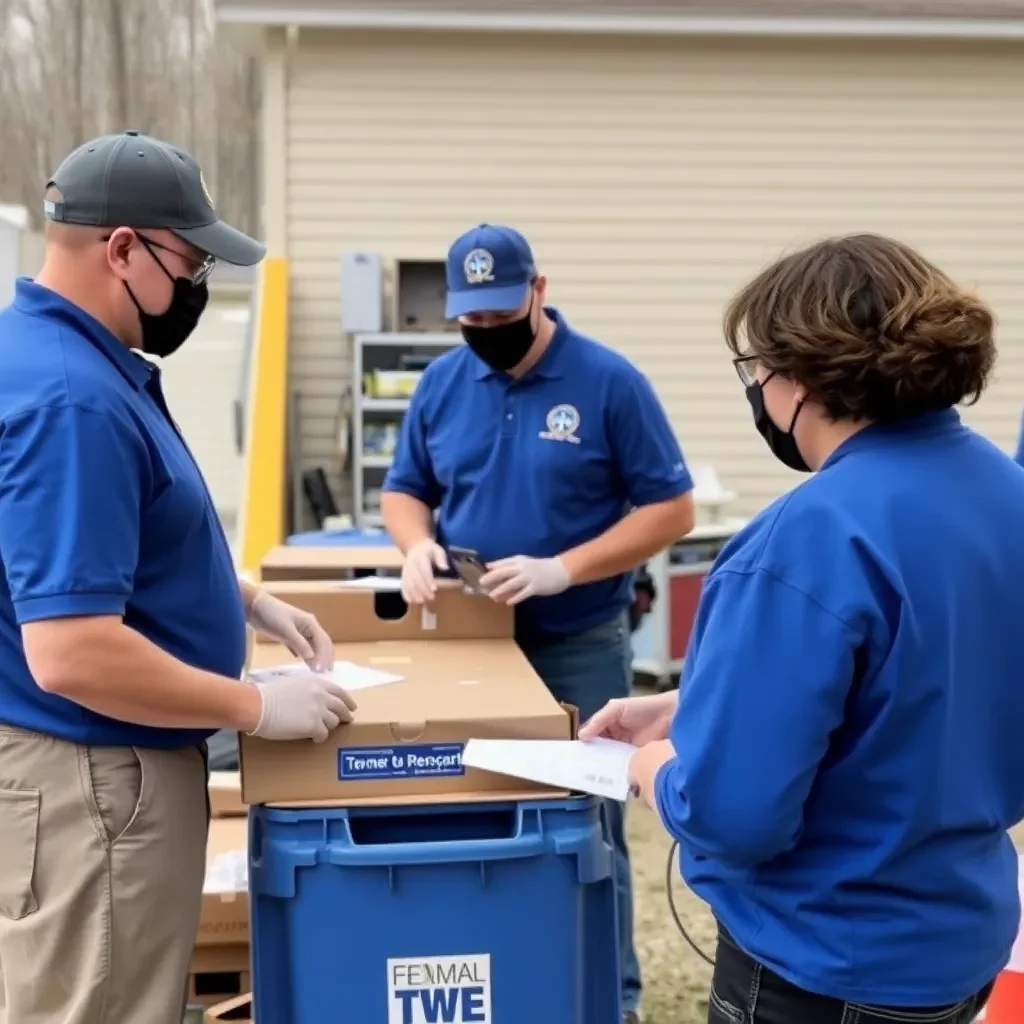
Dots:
{"x": 675, "y": 979}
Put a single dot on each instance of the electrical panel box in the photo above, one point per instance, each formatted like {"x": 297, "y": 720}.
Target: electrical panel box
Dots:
{"x": 419, "y": 296}
{"x": 362, "y": 293}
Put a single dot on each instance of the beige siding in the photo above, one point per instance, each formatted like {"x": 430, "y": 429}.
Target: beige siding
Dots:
{"x": 915, "y": 9}
{"x": 653, "y": 178}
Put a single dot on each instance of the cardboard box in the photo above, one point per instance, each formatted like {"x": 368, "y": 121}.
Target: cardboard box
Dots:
{"x": 463, "y": 677}
{"x": 360, "y": 615}
{"x": 218, "y": 973}
{"x": 226, "y": 795}
{"x": 238, "y": 1010}
{"x": 224, "y": 917}
{"x": 327, "y": 563}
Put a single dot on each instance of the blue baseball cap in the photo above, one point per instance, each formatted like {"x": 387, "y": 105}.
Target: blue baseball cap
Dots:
{"x": 489, "y": 270}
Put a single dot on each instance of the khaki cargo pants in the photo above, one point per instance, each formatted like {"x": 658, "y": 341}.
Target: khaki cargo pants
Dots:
{"x": 102, "y": 859}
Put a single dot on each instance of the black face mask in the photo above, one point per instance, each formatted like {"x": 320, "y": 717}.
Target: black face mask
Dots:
{"x": 781, "y": 443}
{"x": 502, "y": 346}
{"x": 164, "y": 333}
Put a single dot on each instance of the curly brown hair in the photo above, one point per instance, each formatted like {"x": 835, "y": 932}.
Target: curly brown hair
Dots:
{"x": 870, "y": 327}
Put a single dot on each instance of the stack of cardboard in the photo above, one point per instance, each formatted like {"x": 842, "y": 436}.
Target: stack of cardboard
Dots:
{"x": 220, "y": 960}
{"x": 426, "y": 680}
{"x": 327, "y": 563}
{"x": 455, "y": 673}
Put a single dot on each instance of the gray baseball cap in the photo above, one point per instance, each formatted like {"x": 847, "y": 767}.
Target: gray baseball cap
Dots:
{"x": 132, "y": 180}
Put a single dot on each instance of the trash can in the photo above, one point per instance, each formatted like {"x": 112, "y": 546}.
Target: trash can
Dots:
{"x": 448, "y": 914}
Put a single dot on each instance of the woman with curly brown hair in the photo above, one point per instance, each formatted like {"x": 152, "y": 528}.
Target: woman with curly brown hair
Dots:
{"x": 846, "y": 753}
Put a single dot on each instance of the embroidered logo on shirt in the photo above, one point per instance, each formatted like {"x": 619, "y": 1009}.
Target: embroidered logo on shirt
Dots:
{"x": 562, "y": 423}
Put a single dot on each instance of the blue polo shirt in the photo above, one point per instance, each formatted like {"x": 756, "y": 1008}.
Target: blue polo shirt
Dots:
{"x": 539, "y": 465}
{"x": 849, "y": 733}
{"x": 103, "y": 511}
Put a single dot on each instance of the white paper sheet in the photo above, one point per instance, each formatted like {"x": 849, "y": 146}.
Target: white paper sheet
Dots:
{"x": 225, "y": 780}
{"x": 599, "y": 767}
{"x": 229, "y": 872}
{"x": 380, "y": 584}
{"x": 345, "y": 673}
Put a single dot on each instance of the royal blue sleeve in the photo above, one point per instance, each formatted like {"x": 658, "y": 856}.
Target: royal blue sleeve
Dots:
{"x": 412, "y": 471}
{"x": 1019, "y": 457}
{"x": 644, "y": 446}
{"x": 71, "y": 486}
{"x": 765, "y": 683}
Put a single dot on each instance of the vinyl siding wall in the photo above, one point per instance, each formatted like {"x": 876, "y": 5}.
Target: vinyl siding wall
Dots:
{"x": 654, "y": 177}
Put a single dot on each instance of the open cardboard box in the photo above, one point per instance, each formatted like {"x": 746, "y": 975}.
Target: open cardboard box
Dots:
{"x": 224, "y": 917}
{"x": 237, "y": 1010}
{"x": 327, "y": 563}
{"x": 462, "y": 677}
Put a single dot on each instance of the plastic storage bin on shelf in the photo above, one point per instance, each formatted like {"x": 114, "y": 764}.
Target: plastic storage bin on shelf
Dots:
{"x": 454, "y": 914}
{"x": 340, "y": 538}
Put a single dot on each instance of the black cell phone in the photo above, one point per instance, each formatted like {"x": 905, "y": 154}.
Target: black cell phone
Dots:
{"x": 469, "y": 565}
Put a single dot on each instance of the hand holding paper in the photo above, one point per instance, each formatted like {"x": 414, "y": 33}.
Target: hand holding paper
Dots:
{"x": 644, "y": 767}
{"x": 301, "y": 706}
{"x": 635, "y": 720}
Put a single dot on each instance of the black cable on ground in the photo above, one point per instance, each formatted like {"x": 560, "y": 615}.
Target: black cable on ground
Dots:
{"x": 669, "y": 875}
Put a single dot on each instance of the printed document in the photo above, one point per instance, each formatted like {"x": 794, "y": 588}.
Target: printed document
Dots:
{"x": 599, "y": 767}
{"x": 346, "y": 674}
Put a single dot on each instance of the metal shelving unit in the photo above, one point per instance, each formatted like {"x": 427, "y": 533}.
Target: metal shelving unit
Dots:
{"x": 381, "y": 352}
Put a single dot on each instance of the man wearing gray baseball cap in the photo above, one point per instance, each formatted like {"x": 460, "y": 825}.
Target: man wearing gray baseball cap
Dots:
{"x": 122, "y": 620}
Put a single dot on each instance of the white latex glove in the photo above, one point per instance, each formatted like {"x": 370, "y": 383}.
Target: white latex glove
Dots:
{"x": 302, "y": 708}
{"x": 297, "y": 630}
{"x": 421, "y": 560}
{"x": 511, "y": 580}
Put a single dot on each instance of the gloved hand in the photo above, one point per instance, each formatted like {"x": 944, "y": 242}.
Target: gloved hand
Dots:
{"x": 297, "y": 630}
{"x": 511, "y": 580}
{"x": 421, "y": 560}
{"x": 302, "y": 707}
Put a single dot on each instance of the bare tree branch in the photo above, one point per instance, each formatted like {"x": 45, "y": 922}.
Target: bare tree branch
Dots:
{"x": 72, "y": 69}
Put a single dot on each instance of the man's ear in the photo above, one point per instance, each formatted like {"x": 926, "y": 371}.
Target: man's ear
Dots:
{"x": 119, "y": 249}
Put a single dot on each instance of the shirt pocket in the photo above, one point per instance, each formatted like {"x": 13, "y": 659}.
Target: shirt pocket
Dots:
{"x": 577, "y": 479}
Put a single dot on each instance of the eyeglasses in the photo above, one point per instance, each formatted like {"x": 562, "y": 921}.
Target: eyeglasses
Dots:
{"x": 203, "y": 267}
{"x": 746, "y": 369}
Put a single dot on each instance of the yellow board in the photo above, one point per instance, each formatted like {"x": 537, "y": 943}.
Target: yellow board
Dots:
{"x": 261, "y": 523}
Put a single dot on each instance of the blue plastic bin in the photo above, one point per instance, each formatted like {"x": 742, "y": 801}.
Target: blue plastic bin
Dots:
{"x": 455, "y": 914}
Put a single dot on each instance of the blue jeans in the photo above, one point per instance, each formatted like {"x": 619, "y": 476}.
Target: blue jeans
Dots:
{"x": 744, "y": 991}
{"x": 587, "y": 670}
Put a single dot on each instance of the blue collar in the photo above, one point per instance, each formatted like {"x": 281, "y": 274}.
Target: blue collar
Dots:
{"x": 36, "y": 300}
{"x": 929, "y": 424}
{"x": 551, "y": 365}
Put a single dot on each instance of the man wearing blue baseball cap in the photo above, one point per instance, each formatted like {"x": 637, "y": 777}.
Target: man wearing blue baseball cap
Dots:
{"x": 551, "y": 456}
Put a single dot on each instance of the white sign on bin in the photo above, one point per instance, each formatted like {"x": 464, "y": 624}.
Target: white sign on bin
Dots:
{"x": 440, "y": 990}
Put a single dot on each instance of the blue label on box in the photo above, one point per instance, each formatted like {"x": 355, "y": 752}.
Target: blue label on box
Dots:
{"x": 359, "y": 764}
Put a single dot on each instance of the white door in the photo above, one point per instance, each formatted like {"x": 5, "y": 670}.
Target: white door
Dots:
{"x": 201, "y": 383}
